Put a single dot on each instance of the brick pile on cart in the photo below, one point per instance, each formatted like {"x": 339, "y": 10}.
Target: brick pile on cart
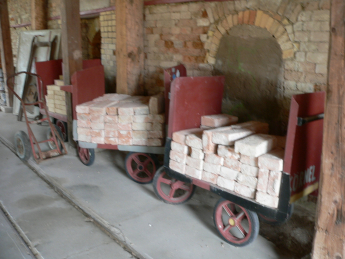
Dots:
{"x": 240, "y": 158}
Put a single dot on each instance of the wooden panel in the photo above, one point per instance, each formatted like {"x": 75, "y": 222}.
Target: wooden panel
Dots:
{"x": 39, "y": 10}
{"x": 6, "y": 49}
{"x": 330, "y": 225}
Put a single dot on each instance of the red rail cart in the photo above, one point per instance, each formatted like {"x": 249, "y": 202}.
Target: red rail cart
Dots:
{"x": 27, "y": 144}
{"x": 236, "y": 217}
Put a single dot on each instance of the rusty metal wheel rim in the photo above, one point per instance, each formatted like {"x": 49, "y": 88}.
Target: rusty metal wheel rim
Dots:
{"x": 62, "y": 127}
{"x": 84, "y": 154}
{"x": 141, "y": 167}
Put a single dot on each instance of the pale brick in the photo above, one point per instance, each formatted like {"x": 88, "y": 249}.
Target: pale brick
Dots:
{"x": 274, "y": 181}
{"x": 125, "y": 141}
{"x": 180, "y": 136}
{"x": 83, "y": 108}
{"x": 108, "y": 126}
{"x": 263, "y": 176}
{"x": 96, "y": 118}
{"x": 141, "y": 109}
{"x": 177, "y": 156}
{"x": 218, "y": 120}
{"x": 139, "y": 142}
{"x": 84, "y": 131}
{"x": 110, "y": 134}
{"x": 155, "y": 134}
{"x": 195, "y": 163}
{"x": 139, "y": 134}
{"x": 111, "y": 141}
{"x": 249, "y": 170}
{"x": 112, "y": 110}
{"x": 256, "y": 145}
{"x": 149, "y": 126}
{"x": 318, "y": 36}
{"x": 227, "y": 137}
{"x": 98, "y": 140}
{"x": 249, "y": 160}
{"x": 179, "y": 147}
{"x": 194, "y": 140}
{"x": 125, "y": 119}
{"x": 209, "y": 177}
{"x": 247, "y": 180}
{"x": 266, "y": 199}
{"x": 226, "y": 183}
{"x": 193, "y": 172}
{"x": 157, "y": 126}
{"x": 125, "y": 110}
{"x": 272, "y": 161}
{"x": 244, "y": 190}
{"x": 100, "y": 107}
{"x": 228, "y": 152}
{"x": 111, "y": 119}
{"x": 197, "y": 154}
{"x": 97, "y": 126}
{"x": 154, "y": 142}
{"x": 124, "y": 134}
{"x": 318, "y": 58}
{"x": 321, "y": 15}
{"x": 156, "y": 104}
{"x": 214, "y": 159}
{"x": 215, "y": 169}
{"x": 97, "y": 133}
{"x": 228, "y": 173}
{"x": 139, "y": 126}
{"x": 208, "y": 146}
{"x": 178, "y": 167}
{"x": 85, "y": 138}
{"x": 232, "y": 164}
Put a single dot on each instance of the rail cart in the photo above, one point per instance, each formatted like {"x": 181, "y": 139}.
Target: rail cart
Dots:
{"x": 27, "y": 144}
{"x": 236, "y": 217}
{"x": 141, "y": 162}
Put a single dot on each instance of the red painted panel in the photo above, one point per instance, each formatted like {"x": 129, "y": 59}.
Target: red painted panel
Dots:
{"x": 169, "y": 75}
{"x": 304, "y": 143}
{"x": 193, "y": 97}
{"x": 91, "y": 63}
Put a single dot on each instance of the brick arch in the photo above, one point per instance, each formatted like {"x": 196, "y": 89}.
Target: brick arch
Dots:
{"x": 249, "y": 17}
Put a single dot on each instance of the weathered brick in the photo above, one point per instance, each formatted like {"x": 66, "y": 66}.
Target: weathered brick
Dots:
{"x": 193, "y": 172}
{"x": 84, "y": 131}
{"x": 214, "y": 159}
{"x": 255, "y": 145}
{"x": 125, "y": 119}
{"x": 228, "y": 173}
{"x": 195, "y": 163}
{"x": 263, "y": 176}
{"x": 179, "y": 147}
{"x": 84, "y": 138}
{"x": 274, "y": 182}
{"x": 317, "y": 36}
{"x": 194, "y": 140}
{"x": 139, "y": 142}
{"x": 228, "y": 152}
{"x": 215, "y": 169}
{"x": 99, "y": 140}
{"x": 97, "y": 133}
{"x": 321, "y": 15}
{"x": 226, "y": 183}
{"x": 305, "y": 16}
{"x": 154, "y": 142}
{"x": 259, "y": 15}
{"x": 139, "y": 134}
{"x": 110, "y": 133}
{"x": 177, "y": 156}
{"x": 266, "y": 199}
{"x": 108, "y": 126}
{"x": 227, "y": 137}
{"x": 218, "y": 120}
{"x": 178, "y": 167}
{"x": 318, "y": 58}
{"x": 209, "y": 177}
{"x": 142, "y": 118}
{"x": 97, "y": 126}
{"x": 155, "y": 134}
{"x": 249, "y": 160}
{"x": 249, "y": 170}
{"x": 111, "y": 119}
{"x": 156, "y": 104}
{"x": 301, "y": 36}
{"x": 244, "y": 190}
{"x": 84, "y": 124}
{"x": 197, "y": 154}
{"x": 247, "y": 180}
{"x": 111, "y": 141}
{"x": 232, "y": 164}
{"x": 252, "y": 17}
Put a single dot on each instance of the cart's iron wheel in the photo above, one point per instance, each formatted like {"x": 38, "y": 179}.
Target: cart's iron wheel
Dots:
{"x": 51, "y": 144}
{"x": 171, "y": 190}
{"x": 140, "y": 167}
{"x": 236, "y": 225}
{"x": 273, "y": 222}
{"x": 22, "y": 145}
{"x": 86, "y": 155}
{"x": 63, "y": 128}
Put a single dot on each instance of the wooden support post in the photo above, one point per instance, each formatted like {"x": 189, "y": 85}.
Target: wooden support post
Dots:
{"x": 71, "y": 52}
{"x": 39, "y": 14}
{"x": 330, "y": 226}
{"x": 6, "y": 50}
{"x": 130, "y": 47}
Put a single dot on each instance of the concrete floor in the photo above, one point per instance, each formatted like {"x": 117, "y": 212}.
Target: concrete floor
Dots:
{"x": 129, "y": 211}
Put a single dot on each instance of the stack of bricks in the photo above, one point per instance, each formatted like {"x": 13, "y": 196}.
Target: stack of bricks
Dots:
{"x": 55, "y": 98}
{"x": 241, "y": 158}
{"x": 119, "y": 119}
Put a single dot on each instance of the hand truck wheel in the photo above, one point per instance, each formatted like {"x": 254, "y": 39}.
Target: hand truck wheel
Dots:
{"x": 235, "y": 224}
{"x": 140, "y": 167}
{"x": 86, "y": 155}
{"x": 63, "y": 128}
{"x": 171, "y": 190}
{"x": 22, "y": 145}
{"x": 51, "y": 144}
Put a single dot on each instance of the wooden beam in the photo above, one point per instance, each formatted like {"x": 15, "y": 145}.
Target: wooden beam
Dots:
{"x": 130, "y": 47}
{"x": 39, "y": 14}
{"x": 330, "y": 225}
{"x": 6, "y": 50}
{"x": 71, "y": 52}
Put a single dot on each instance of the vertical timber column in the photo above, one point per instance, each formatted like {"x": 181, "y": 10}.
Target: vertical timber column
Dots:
{"x": 329, "y": 241}
{"x": 6, "y": 49}
{"x": 71, "y": 52}
{"x": 130, "y": 47}
{"x": 39, "y": 14}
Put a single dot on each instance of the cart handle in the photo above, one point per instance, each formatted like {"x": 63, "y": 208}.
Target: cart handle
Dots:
{"x": 12, "y": 89}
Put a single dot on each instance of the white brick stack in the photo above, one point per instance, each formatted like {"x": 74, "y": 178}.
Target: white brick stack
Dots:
{"x": 55, "y": 98}
{"x": 241, "y": 158}
{"x": 119, "y": 119}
